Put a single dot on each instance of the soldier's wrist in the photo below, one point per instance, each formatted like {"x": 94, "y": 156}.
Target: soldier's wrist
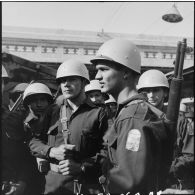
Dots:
{"x": 51, "y": 153}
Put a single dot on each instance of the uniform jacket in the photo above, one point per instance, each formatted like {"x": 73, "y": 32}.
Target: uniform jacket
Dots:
{"x": 183, "y": 165}
{"x": 87, "y": 126}
{"x": 135, "y": 146}
{"x": 17, "y": 162}
{"x": 185, "y": 136}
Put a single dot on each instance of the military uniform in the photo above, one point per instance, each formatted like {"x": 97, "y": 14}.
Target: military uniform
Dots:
{"x": 182, "y": 167}
{"x": 17, "y": 162}
{"x": 87, "y": 126}
{"x": 135, "y": 145}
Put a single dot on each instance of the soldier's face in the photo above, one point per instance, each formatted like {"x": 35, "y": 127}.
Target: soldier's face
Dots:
{"x": 71, "y": 87}
{"x": 155, "y": 96}
{"x": 39, "y": 103}
{"x": 96, "y": 97}
{"x": 111, "y": 80}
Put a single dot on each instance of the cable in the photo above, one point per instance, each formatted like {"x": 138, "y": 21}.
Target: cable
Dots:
{"x": 149, "y": 27}
{"x": 122, "y": 10}
{"x": 112, "y": 16}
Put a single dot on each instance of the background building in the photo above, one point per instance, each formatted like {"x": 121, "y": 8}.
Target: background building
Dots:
{"x": 35, "y": 53}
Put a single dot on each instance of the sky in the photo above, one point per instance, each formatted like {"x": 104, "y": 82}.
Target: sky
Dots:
{"x": 117, "y": 17}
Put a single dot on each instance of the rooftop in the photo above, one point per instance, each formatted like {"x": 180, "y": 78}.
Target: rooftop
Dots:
{"x": 88, "y": 36}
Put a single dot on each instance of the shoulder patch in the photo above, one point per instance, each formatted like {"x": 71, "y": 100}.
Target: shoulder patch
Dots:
{"x": 133, "y": 140}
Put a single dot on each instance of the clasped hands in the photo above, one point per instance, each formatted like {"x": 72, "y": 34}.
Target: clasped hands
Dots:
{"x": 64, "y": 153}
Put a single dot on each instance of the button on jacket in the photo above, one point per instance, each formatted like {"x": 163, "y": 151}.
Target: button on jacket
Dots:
{"x": 87, "y": 126}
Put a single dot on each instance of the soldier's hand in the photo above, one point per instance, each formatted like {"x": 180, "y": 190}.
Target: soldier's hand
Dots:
{"x": 69, "y": 167}
{"x": 61, "y": 152}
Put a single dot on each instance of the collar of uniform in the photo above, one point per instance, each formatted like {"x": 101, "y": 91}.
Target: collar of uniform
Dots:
{"x": 136, "y": 98}
{"x": 86, "y": 102}
{"x": 141, "y": 96}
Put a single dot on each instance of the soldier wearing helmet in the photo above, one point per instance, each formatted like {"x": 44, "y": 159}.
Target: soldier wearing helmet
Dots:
{"x": 93, "y": 91}
{"x": 133, "y": 165}
{"x": 111, "y": 108}
{"x": 155, "y": 84}
{"x": 19, "y": 169}
{"x": 111, "y": 105}
{"x": 36, "y": 99}
{"x": 71, "y": 135}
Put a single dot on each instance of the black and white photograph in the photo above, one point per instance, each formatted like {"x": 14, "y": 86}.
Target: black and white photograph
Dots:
{"x": 97, "y": 97}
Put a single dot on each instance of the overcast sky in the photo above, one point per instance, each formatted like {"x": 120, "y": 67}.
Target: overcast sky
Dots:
{"x": 121, "y": 17}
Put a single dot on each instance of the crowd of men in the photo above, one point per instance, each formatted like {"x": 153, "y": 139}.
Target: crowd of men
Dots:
{"x": 109, "y": 135}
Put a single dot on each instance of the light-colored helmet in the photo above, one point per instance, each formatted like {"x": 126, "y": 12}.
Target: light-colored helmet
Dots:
{"x": 4, "y": 73}
{"x": 36, "y": 88}
{"x": 94, "y": 85}
{"x": 72, "y": 67}
{"x": 110, "y": 100}
{"x": 20, "y": 87}
{"x": 152, "y": 78}
{"x": 182, "y": 108}
{"x": 121, "y": 51}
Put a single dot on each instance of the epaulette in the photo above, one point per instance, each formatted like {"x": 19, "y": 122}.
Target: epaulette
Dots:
{"x": 135, "y": 108}
{"x": 142, "y": 109}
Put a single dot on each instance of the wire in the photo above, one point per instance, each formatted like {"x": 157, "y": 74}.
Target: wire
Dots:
{"x": 109, "y": 20}
{"x": 122, "y": 10}
{"x": 149, "y": 26}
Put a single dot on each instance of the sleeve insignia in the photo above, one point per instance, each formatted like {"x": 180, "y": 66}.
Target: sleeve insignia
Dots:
{"x": 133, "y": 140}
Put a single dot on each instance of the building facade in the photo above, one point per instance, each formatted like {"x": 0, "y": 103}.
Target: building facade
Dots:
{"x": 51, "y": 47}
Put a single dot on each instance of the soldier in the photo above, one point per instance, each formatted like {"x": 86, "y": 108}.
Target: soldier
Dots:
{"x": 111, "y": 108}
{"x": 183, "y": 165}
{"x": 17, "y": 165}
{"x": 72, "y": 134}
{"x": 93, "y": 91}
{"x": 36, "y": 99}
{"x": 135, "y": 140}
{"x": 155, "y": 84}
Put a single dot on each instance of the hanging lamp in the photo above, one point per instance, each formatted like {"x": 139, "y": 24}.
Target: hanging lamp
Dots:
{"x": 173, "y": 15}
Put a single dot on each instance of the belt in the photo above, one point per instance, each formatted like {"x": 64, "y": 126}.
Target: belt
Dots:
{"x": 54, "y": 168}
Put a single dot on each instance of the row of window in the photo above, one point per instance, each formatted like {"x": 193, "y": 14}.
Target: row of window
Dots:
{"x": 84, "y": 51}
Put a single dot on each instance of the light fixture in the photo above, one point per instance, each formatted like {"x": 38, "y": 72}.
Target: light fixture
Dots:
{"x": 173, "y": 15}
